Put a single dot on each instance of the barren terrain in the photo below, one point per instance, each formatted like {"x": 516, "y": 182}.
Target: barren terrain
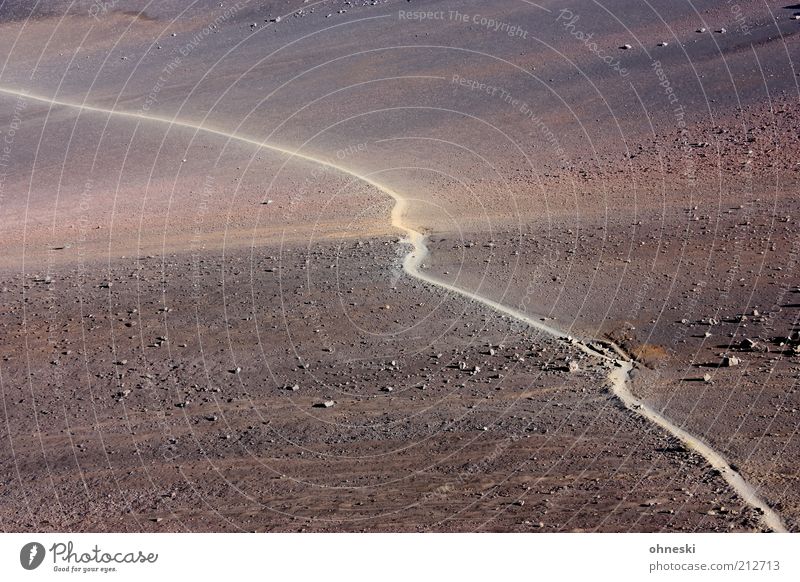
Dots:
{"x": 399, "y": 266}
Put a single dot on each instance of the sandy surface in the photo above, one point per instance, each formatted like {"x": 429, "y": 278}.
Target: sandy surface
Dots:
{"x": 629, "y": 194}
{"x": 128, "y": 413}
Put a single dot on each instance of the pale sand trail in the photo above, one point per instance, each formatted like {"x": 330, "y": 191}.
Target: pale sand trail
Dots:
{"x": 621, "y": 365}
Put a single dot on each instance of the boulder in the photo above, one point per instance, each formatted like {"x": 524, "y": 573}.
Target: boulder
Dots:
{"x": 730, "y": 361}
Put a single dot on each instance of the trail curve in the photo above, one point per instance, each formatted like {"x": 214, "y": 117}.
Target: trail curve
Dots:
{"x": 621, "y": 365}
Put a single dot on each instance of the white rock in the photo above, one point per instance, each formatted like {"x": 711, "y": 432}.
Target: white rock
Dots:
{"x": 730, "y": 361}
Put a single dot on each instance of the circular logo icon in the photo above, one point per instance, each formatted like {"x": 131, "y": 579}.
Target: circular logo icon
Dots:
{"x": 31, "y": 555}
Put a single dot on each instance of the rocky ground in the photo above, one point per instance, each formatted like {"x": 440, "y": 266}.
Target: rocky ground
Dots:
{"x": 142, "y": 402}
{"x": 198, "y": 333}
{"x": 705, "y": 298}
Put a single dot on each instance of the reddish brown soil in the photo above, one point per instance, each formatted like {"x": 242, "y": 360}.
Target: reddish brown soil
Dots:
{"x": 657, "y": 299}
{"x": 634, "y": 207}
{"x": 112, "y": 429}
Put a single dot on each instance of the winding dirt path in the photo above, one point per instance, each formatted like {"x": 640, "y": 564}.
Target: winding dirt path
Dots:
{"x": 621, "y": 365}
